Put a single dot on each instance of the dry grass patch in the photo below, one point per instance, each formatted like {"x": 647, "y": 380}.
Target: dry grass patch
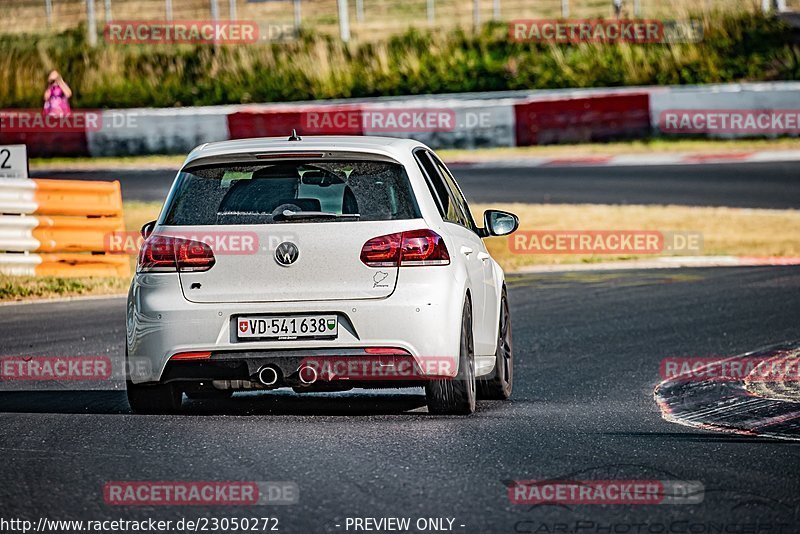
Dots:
{"x": 726, "y": 231}
{"x": 659, "y": 146}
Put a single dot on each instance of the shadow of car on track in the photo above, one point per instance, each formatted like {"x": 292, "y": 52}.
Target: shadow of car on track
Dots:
{"x": 273, "y": 403}
{"x": 287, "y": 403}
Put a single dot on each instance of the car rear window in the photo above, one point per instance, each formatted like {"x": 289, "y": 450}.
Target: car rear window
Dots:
{"x": 260, "y": 193}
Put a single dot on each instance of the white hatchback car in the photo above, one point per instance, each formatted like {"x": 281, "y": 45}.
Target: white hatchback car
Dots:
{"x": 321, "y": 264}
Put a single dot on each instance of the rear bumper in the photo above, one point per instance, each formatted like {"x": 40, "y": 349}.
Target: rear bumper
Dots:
{"x": 306, "y": 369}
{"x": 422, "y": 317}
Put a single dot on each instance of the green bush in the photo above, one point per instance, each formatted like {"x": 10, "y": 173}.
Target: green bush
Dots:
{"x": 736, "y": 47}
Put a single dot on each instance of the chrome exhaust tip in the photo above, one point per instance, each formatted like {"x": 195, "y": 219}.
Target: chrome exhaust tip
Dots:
{"x": 307, "y": 374}
{"x": 268, "y": 376}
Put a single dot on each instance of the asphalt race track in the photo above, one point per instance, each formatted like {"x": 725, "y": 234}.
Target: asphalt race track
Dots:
{"x": 587, "y": 349}
{"x": 746, "y": 185}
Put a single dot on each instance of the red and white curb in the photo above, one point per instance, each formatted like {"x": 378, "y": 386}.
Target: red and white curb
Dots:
{"x": 632, "y": 160}
{"x": 725, "y": 404}
{"x": 671, "y": 262}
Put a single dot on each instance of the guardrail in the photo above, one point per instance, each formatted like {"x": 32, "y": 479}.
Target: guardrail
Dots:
{"x": 58, "y": 228}
{"x": 471, "y": 120}
{"x": 502, "y": 119}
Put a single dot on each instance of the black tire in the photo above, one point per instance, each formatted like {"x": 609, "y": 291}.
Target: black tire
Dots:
{"x": 154, "y": 399}
{"x": 499, "y": 384}
{"x": 209, "y": 394}
{"x": 456, "y": 396}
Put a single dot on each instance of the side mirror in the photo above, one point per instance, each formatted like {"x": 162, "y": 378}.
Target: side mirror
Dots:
{"x": 498, "y": 222}
{"x": 147, "y": 229}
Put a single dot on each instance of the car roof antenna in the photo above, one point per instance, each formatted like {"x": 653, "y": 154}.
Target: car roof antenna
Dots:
{"x": 294, "y": 136}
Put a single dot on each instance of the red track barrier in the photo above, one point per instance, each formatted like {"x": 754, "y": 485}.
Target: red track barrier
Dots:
{"x": 595, "y": 118}
{"x": 323, "y": 120}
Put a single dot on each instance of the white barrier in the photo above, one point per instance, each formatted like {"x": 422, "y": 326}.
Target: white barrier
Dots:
{"x": 19, "y": 264}
{"x": 750, "y": 96}
{"x": 16, "y": 233}
{"x": 17, "y": 196}
{"x": 158, "y": 131}
{"x": 478, "y": 123}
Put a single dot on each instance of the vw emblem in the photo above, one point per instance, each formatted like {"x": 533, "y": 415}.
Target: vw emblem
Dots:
{"x": 286, "y": 253}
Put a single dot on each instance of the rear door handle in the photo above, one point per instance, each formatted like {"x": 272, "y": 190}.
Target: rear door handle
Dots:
{"x": 483, "y": 256}
{"x": 466, "y": 251}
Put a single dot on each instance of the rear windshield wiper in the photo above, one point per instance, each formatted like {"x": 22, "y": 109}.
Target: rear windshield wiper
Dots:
{"x": 299, "y": 215}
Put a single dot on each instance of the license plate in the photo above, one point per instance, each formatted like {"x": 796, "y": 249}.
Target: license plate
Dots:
{"x": 288, "y": 327}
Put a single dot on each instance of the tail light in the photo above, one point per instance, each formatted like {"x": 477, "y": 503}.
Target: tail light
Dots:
{"x": 163, "y": 254}
{"x": 382, "y": 251}
{"x": 191, "y": 356}
{"x": 386, "y": 351}
{"x": 407, "y": 249}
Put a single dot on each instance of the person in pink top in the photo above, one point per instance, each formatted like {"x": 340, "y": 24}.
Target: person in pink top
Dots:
{"x": 57, "y": 95}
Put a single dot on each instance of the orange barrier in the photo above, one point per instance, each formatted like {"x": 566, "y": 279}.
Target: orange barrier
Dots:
{"x": 78, "y": 197}
{"x": 60, "y": 228}
{"x": 73, "y": 265}
{"x": 75, "y": 234}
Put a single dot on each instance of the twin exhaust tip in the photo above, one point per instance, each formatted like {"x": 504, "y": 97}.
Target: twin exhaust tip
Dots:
{"x": 307, "y": 374}
{"x": 269, "y": 376}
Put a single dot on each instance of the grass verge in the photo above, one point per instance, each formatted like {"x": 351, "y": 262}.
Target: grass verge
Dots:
{"x": 117, "y": 162}
{"x": 48, "y": 287}
{"x": 702, "y": 147}
{"x": 726, "y": 231}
